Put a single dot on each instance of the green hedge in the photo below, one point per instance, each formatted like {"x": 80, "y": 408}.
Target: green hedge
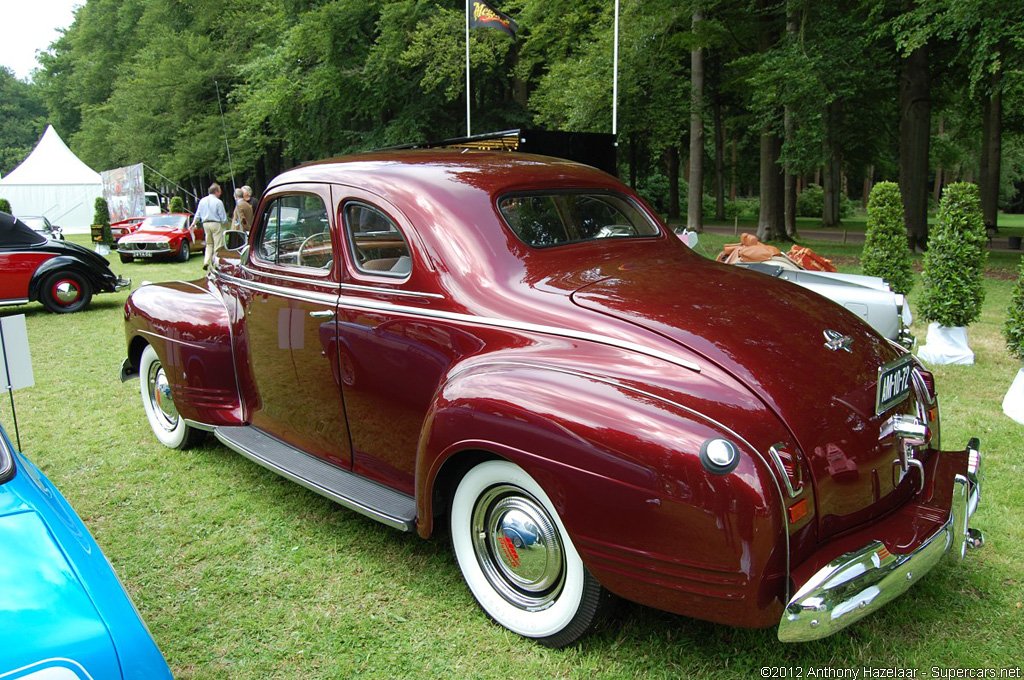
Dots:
{"x": 177, "y": 205}
{"x": 886, "y": 253}
{"x": 1014, "y": 328}
{"x": 5, "y": 206}
{"x": 953, "y": 290}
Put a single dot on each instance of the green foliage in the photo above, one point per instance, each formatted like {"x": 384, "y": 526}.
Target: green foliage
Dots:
{"x": 886, "y": 253}
{"x": 177, "y": 204}
{"x": 654, "y": 190}
{"x": 742, "y": 208}
{"x": 1013, "y": 330}
{"x": 811, "y": 201}
{"x": 22, "y": 119}
{"x": 101, "y": 212}
{"x": 5, "y": 206}
{"x": 953, "y": 290}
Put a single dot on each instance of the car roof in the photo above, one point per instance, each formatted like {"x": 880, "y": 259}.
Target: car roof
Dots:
{"x": 448, "y": 170}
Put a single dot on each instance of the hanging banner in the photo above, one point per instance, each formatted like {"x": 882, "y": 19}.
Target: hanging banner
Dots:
{"x": 125, "y": 191}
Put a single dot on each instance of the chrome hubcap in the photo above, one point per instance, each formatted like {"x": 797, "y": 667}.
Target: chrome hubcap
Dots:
{"x": 518, "y": 547}
{"x": 160, "y": 397}
{"x": 66, "y": 292}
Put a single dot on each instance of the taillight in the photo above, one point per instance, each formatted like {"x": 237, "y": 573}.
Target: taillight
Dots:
{"x": 787, "y": 461}
{"x": 927, "y": 381}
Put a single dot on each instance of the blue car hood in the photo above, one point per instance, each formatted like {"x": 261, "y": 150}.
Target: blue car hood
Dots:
{"x": 61, "y": 605}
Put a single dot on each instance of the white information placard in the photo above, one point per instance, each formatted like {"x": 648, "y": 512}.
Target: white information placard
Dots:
{"x": 15, "y": 360}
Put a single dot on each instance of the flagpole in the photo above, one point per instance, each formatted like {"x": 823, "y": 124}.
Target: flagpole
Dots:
{"x": 615, "y": 74}
{"x": 469, "y": 132}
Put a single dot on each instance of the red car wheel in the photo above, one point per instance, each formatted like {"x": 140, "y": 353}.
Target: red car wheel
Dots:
{"x": 65, "y": 292}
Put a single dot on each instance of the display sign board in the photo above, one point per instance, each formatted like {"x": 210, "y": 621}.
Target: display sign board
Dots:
{"x": 125, "y": 191}
{"x": 15, "y": 360}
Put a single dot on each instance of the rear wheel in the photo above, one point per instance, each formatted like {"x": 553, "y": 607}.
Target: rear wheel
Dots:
{"x": 65, "y": 292}
{"x": 517, "y": 558}
{"x": 168, "y": 426}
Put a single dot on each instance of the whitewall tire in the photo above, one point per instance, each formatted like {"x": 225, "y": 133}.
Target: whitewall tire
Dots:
{"x": 518, "y": 559}
{"x": 169, "y": 427}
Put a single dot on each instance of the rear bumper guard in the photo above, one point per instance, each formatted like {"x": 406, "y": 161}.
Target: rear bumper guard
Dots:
{"x": 860, "y": 582}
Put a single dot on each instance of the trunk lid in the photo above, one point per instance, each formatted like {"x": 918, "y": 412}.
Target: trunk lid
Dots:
{"x": 811, "y": 361}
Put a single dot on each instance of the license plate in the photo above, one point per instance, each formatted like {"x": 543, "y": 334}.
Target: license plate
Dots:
{"x": 893, "y": 383}
{"x": 143, "y": 253}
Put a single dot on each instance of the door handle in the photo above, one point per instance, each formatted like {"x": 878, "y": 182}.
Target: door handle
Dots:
{"x": 322, "y": 314}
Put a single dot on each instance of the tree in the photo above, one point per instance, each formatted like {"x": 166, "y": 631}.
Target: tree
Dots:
{"x": 885, "y": 244}
{"x": 22, "y": 119}
{"x": 695, "y": 203}
{"x": 954, "y": 263}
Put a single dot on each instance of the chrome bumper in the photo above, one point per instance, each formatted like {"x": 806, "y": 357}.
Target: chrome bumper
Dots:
{"x": 122, "y": 283}
{"x": 862, "y": 581}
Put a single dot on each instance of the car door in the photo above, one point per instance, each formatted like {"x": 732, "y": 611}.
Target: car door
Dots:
{"x": 392, "y": 357}
{"x": 290, "y": 318}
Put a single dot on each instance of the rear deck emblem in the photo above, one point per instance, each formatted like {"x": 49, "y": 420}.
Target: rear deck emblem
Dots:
{"x": 835, "y": 341}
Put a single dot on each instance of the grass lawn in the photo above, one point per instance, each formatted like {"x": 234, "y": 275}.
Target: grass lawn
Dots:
{"x": 241, "y": 574}
{"x": 1009, "y": 225}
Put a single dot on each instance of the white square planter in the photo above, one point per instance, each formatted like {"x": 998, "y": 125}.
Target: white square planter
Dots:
{"x": 1013, "y": 402}
{"x": 944, "y": 345}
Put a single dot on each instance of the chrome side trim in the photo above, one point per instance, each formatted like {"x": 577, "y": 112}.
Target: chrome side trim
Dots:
{"x": 381, "y": 306}
{"x": 391, "y": 291}
{"x": 14, "y": 301}
{"x": 317, "y": 279}
{"x": 862, "y": 581}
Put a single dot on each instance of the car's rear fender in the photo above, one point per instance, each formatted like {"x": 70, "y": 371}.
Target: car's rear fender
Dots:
{"x": 197, "y": 355}
{"x": 650, "y": 522}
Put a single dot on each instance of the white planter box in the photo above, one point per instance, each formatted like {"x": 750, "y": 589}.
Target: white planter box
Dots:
{"x": 945, "y": 345}
{"x": 1013, "y": 402}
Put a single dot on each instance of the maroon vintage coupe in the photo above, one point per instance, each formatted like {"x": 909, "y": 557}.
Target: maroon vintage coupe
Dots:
{"x": 515, "y": 346}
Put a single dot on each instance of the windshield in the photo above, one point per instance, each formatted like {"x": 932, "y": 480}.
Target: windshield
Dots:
{"x": 37, "y": 223}
{"x": 164, "y": 222}
{"x": 555, "y": 218}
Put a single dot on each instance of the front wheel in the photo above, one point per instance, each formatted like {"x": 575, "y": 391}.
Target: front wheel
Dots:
{"x": 169, "y": 427}
{"x": 183, "y": 251}
{"x": 517, "y": 558}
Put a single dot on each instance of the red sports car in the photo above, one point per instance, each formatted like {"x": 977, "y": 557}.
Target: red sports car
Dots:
{"x": 60, "y": 274}
{"x": 166, "y": 236}
{"x": 517, "y": 347}
{"x": 123, "y": 227}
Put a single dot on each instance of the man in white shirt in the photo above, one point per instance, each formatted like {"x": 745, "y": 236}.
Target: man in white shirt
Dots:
{"x": 211, "y": 213}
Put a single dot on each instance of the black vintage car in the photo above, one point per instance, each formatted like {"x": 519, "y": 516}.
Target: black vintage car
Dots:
{"x": 61, "y": 275}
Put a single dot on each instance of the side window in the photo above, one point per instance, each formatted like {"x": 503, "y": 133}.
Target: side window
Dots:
{"x": 377, "y": 244}
{"x": 295, "y": 232}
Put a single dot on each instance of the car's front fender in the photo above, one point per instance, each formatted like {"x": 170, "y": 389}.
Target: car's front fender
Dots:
{"x": 196, "y": 354}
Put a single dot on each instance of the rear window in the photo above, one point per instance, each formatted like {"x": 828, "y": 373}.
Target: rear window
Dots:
{"x": 554, "y": 218}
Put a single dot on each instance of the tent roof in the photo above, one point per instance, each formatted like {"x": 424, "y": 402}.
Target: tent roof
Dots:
{"x": 51, "y": 162}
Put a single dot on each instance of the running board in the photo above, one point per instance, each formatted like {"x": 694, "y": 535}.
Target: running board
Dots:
{"x": 390, "y": 507}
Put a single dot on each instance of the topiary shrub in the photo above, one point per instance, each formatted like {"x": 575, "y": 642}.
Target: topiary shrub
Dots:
{"x": 5, "y": 206}
{"x": 953, "y": 290}
{"x": 1014, "y": 328}
{"x": 101, "y": 218}
{"x": 811, "y": 201}
{"x": 885, "y": 243}
{"x": 177, "y": 204}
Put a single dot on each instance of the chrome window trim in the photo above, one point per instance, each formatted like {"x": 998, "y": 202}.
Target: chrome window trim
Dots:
{"x": 6, "y": 461}
{"x": 315, "y": 280}
{"x": 382, "y": 306}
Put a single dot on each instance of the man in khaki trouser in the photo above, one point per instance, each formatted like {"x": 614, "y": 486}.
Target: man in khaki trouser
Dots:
{"x": 211, "y": 213}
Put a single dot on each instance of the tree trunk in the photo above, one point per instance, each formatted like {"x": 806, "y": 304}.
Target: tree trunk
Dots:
{"x": 719, "y": 160}
{"x": 695, "y": 204}
{"x": 833, "y": 155}
{"x": 991, "y": 153}
{"x": 789, "y": 128}
{"x": 865, "y": 196}
{"x": 915, "y": 134}
{"x": 770, "y": 221}
{"x": 672, "y": 165}
{"x": 732, "y": 169}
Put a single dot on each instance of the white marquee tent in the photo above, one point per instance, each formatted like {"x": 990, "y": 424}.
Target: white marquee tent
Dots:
{"x": 53, "y": 182}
